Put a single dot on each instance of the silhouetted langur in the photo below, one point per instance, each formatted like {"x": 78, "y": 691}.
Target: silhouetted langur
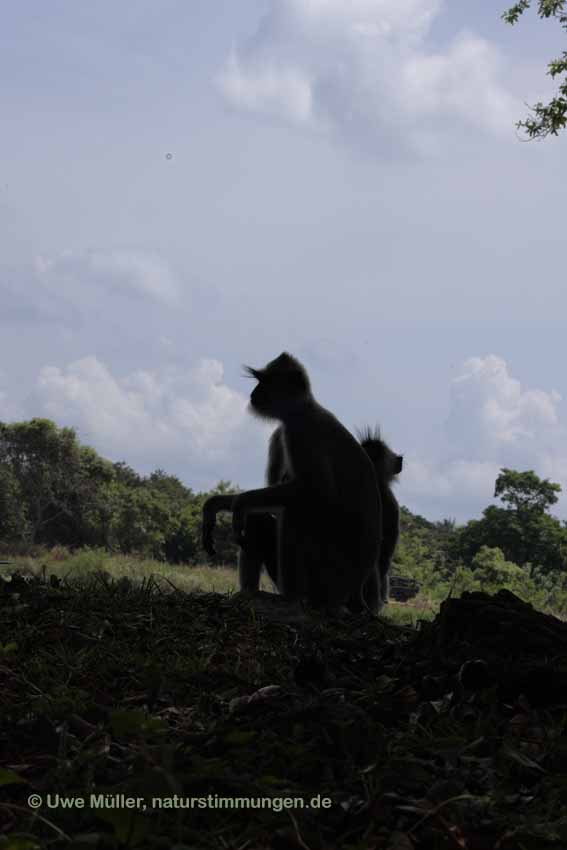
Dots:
{"x": 260, "y": 538}
{"x": 387, "y": 466}
{"x": 323, "y": 544}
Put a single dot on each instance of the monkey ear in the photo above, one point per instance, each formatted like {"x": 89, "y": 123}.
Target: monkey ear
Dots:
{"x": 399, "y": 464}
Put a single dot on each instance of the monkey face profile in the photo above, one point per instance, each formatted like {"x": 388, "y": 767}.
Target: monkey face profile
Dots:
{"x": 283, "y": 386}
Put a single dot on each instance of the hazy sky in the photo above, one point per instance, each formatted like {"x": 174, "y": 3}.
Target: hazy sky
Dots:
{"x": 189, "y": 186}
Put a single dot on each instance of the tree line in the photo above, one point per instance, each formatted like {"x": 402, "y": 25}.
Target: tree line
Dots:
{"x": 55, "y": 491}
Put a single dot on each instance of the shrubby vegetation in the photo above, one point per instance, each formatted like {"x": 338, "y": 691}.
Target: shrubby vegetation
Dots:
{"x": 55, "y": 492}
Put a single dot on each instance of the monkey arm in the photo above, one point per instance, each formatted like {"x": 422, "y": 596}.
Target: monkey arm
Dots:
{"x": 275, "y": 470}
{"x": 211, "y": 508}
{"x": 215, "y": 504}
{"x": 266, "y": 499}
{"x": 277, "y": 497}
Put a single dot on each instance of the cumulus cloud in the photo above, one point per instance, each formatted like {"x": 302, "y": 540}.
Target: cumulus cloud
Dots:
{"x": 162, "y": 418}
{"x": 193, "y": 424}
{"x": 282, "y": 92}
{"x": 493, "y": 423}
{"x": 364, "y": 69}
{"x": 457, "y": 489}
{"x": 492, "y": 414}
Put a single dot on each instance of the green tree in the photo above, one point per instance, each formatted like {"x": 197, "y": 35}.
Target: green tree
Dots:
{"x": 524, "y": 531}
{"x": 491, "y": 568}
{"x": 74, "y": 526}
{"x": 525, "y": 492}
{"x": 124, "y": 474}
{"x": 12, "y": 508}
{"x": 140, "y": 522}
{"x": 44, "y": 461}
{"x": 182, "y": 544}
{"x": 101, "y": 516}
{"x": 171, "y": 487}
{"x": 551, "y": 117}
{"x": 425, "y": 543}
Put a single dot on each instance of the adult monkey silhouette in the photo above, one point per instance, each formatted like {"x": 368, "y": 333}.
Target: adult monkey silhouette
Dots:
{"x": 326, "y": 499}
{"x": 260, "y": 539}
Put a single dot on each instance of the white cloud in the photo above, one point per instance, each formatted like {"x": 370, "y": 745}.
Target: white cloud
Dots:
{"x": 74, "y": 273}
{"x": 368, "y": 17}
{"x": 462, "y": 83}
{"x": 491, "y": 413}
{"x": 193, "y": 424}
{"x": 284, "y": 92}
{"x": 363, "y": 68}
{"x": 493, "y": 423}
{"x": 456, "y": 489}
{"x": 156, "y": 415}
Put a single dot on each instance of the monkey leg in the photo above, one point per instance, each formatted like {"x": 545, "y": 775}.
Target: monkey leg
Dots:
{"x": 294, "y": 556}
{"x": 283, "y": 544}
{"x": 249, "y": 569}
{"x": 348, "y": 567}
{"x": 259, "y": 548}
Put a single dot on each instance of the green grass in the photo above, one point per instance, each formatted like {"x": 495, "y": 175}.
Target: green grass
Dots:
{"x": 186, "y": 577}
{"x": 83, "y": 563}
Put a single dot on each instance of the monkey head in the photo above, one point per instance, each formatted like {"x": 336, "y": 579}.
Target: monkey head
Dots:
{"x": 283, "y": 387}
{"x": 386, "y": 462}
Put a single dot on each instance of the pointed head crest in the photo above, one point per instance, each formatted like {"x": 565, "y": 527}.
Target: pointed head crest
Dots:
{"x": 386, "y": 463}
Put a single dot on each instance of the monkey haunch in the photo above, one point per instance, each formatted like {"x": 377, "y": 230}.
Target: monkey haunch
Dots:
{"x": 324, "y": 544}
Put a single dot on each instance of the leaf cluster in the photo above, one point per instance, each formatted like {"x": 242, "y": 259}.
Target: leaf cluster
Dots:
{"x": 548, "y": 118}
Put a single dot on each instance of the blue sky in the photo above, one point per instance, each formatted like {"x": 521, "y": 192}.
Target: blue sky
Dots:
{"x": 345, "y": 182}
